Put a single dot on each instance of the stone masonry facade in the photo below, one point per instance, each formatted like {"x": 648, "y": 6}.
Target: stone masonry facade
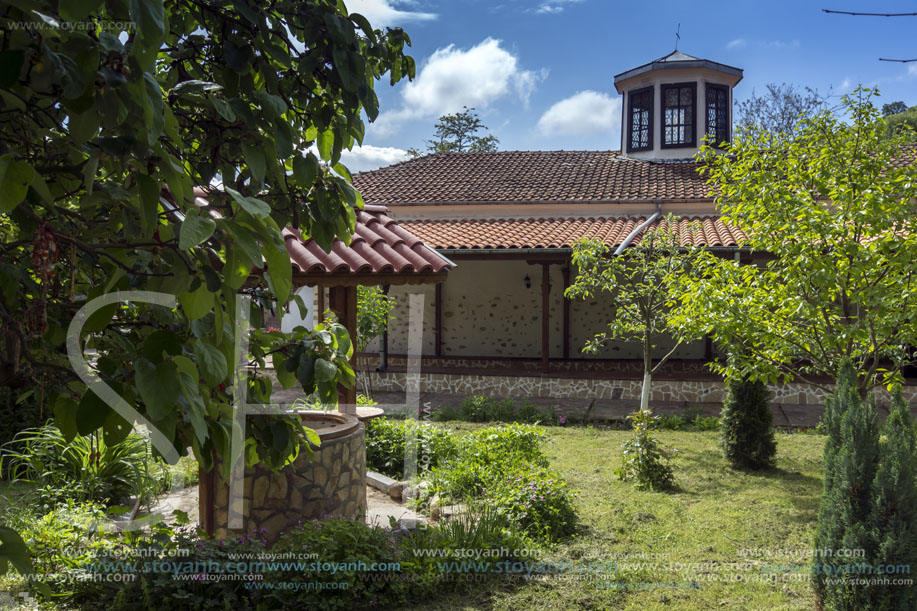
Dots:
{"x": 332, "y": 484}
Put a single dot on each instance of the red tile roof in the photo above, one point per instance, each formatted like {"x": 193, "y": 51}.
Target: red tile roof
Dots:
{"x": 452, "y": 234}
{"x": 531, "y": 176}
{"x": 378, "y": 246}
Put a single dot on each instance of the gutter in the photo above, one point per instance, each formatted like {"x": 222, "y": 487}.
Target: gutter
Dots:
{"x": 639, "y": 229}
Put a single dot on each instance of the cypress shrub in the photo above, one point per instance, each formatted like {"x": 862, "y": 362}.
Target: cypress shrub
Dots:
{"x": 746, "y": 426}
{"x": 846, "y": 512}
{"x": 895, "y": 510}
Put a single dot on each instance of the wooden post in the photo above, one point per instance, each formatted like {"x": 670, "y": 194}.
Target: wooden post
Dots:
{"x": 438, "y": 322}
{"x": 207, "y": 501}
{"x": 545, "y": 316}
{"x": 320, "y": 315}
{"x": 343, "y": 302}
{"x": 565, "y": 271}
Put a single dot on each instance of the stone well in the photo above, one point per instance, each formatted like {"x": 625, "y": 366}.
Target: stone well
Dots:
{"x": 332, "y": 484}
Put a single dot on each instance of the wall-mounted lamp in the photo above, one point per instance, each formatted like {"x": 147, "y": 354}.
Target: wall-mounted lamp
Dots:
{"x": 528, "y": 282}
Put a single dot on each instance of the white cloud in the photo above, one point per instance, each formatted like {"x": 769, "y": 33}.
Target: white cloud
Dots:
{"x": 912, "y": 70}
{"x": 741, "y": 43}
{"x": 582, "y": 114}
{"x": 382, "y": 13}
{"x": 738, "y": 43}
{"x": 550, "y": 7}
{"x": 845, "y": 85}
{"x": 369, "y": 157}
{"x": 453, "y": 78}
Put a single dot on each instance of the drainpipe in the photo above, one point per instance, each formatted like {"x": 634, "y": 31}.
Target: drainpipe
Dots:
{"x": 639, "y": 229}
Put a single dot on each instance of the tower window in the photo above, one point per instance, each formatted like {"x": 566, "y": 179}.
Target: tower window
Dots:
{"x": 717, "y": 114}
{"x": 640, "y": 126}
{"x": 679, "y": 115}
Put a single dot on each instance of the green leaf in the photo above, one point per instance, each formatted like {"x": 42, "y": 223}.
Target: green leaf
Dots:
{"x": 155, "y": 106}
{"x": 325, "y": 144}
{"x": 237, "y": 268}
{"x": 65, "y": 417}
{"x": 305, "y": 373}
{"x": 325, "y": 371}
{"x": 211, "y": 361}
{"x": 195, "y": 230}
{"x": 195, "y": 86}
{"x": 15, "y": 177}
{"x": 351, "y": 67}
{"x": 196, "y": 304}
{"x": 91, "y": 413}
{"x": 13, "y": 550}
{"x": 157, "y": 385}
{"x": 186, "y": 365}
{"x": 223, "y": 108}
{"x": 281, "y": 271}
{"x": 254, "y": 206}
{"x": 195, "y": 406}
{"x": 77, "y": 10}
{"x": 158, "y": 342}
{"x": 305, "y": 170}
{"x": 149, "y": 17}
{"x": 115, "y": 429}
{"x": 254, "y": 159}
{"x": 286, "y": 378}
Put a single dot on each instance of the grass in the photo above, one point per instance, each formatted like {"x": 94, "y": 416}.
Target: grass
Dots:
{"x": 714, "y": 513}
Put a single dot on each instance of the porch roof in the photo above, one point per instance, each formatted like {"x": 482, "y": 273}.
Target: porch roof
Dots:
{"x": 528, "y": 233}
{"x": 381, "y": 251}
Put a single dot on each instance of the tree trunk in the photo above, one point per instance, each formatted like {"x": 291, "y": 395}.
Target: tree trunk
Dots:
{"x": 645, "y": 395}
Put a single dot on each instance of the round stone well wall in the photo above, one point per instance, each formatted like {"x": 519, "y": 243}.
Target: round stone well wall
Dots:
{"x": 332, "y": 484}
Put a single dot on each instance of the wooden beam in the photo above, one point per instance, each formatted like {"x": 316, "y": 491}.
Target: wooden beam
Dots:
{"x": 344, "y": 304}
{"x": 545, "y": 316}
{"x": 438, "y": 322}
{"x": 565, "y": 271}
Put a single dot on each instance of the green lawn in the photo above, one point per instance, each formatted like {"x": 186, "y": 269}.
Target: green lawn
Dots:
{"x": 715, "y": 513}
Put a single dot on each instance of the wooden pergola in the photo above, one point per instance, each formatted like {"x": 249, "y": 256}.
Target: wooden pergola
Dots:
{"x": 381, "y": 252}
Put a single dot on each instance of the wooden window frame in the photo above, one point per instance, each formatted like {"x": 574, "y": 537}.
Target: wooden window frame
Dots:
{"x": 710, "y": 87}
{"x": 630, "y": 118}
{"x": 662, "y": 108}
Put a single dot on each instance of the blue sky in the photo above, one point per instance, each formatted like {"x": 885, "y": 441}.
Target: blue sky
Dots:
{"x": 540, "y": 72}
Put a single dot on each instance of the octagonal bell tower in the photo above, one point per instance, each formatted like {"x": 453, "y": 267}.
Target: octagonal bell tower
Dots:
{"x": 673, "y": 103}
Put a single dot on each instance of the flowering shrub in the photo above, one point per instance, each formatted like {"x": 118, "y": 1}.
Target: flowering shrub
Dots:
{"x": 537, "y": 499}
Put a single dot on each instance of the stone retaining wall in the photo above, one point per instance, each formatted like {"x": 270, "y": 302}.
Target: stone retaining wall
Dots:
{"x": 688, "y": 391}
{"x": 332, "y": 484}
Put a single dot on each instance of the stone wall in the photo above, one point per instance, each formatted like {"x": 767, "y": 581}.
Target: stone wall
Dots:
{"x": 332, "y": 484}
{"x": 692, "y": 392}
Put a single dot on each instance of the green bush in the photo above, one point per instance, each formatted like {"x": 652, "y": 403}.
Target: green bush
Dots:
{"x": 747, "y": 430}
{"x": 894, "y": 493}
{"x": 504, "y": 468}
{"x": 845, "y": 515}
{"x": 486, "y": 455}
{"x": 537, "y": 499}
{"x": 643, "y": 462}
{"x": 84, "y": 469}
{"x": 386, "y": 440}
{"x": 479, "y": 408}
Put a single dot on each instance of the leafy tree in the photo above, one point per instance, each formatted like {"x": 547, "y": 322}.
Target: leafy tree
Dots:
{"x": 778, "y": 110}
{"x": 746, "y": 425}
{"x": 373, "y": 310}
{"x": 893, "y": 108}
{"x": 831, "y": 206}
{"x": 641, "y": 284}
{"x": 107, "y": 137}
{"x": 457, "y": 133}
{"x": 903, "y": 124}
